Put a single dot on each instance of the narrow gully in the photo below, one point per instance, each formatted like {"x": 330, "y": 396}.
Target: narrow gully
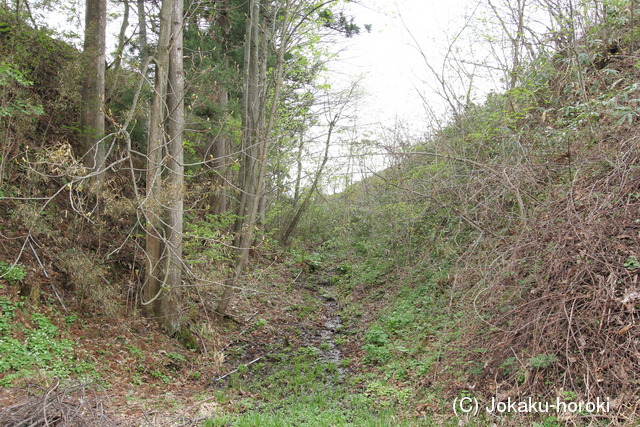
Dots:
{"x": 330, "y": 353}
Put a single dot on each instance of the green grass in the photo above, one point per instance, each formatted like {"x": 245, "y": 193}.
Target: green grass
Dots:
{"x": 301, "y": 390}
{"x": 311, "y": 411}
{"x": 298, "y": 388}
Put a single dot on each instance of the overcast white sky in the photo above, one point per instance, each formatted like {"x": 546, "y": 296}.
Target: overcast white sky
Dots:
{"x": 395, "y": 78}
{"x": 387, "y": 57}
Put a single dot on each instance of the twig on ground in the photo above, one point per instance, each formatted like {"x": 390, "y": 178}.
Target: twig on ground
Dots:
{"x": 236, "y": 370}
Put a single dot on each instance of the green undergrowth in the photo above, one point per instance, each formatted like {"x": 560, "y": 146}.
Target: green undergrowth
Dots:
{"x": 301, "y": 389}
{"x": 414, "y": 349}
{"x": 12, "y": 273}
{"x": 33, "y": 346}
{"x": 419, "y": 352}
{"x": 414, "y": 334}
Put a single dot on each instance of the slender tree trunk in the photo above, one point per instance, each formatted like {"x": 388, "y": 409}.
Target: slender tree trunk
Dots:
{"x": 142, "y": 33}
{"x": 117, "y": 63}
{"x": 92, "y": 104}
{"x": 170, "y": 300}
{"x": 286, "y": 235}
{"x": 296, "y": 193}
{"x": 122, "y": 37}
{"x": 255, "y": 132}
{"x": 153, "y": 204}
{"x": 343, "y": 101}
{"x": 143, "y": 55}
{"x": 217, "y": 153}
{"x": 250, "y": 141}
{"x": 262, "y": 134}
{"x": 348, "y": 176}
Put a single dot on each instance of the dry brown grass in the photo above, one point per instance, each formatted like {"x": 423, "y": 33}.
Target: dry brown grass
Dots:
{"x": 87, "y": 278}
{"x": 561, "y": 298}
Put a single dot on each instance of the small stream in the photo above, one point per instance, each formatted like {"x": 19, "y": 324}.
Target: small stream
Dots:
{"x": 332, "y": 325}
{"x": 321, "y": 336}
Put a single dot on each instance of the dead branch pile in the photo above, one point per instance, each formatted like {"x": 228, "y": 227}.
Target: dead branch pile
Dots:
{"x": 74, "y": 405}
{"x": 571, "y": 279}
{"x": 84, "y": 405}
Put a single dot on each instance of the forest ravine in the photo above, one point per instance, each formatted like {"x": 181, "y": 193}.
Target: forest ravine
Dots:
{"x": 193, "y": 230}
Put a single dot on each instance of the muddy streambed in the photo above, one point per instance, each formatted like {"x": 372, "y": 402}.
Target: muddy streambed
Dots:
{"x": 323, "y": 334}
{"x": 330, "y": 351}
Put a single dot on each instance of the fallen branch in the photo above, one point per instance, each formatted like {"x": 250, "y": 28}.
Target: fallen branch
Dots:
{"x": 236, "y": 370}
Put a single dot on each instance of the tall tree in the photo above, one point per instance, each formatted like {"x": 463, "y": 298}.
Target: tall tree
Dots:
{"x": 154, "y": 280}
{"x": 276, "y": 26}
{"x": 252, "y": 145}
{"x": 142, "y": 32}
{"x": 165, "y": 174}
{"x": 216, "y": 156}
{"x": 93, "y": 87}
{"x": 215, "y": 88}
{"x": 117, "y": 62}
{"x": 170, "y": 302}
{"x": 333, "y": 116}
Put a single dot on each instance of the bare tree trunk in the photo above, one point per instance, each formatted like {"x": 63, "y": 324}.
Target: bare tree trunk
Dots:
{"x": 117, "y": 63}
{"x": 153, "y": 206}
{"x": 263, "y": 135}
{"x": 296, "y": 193}
{"x": 142, "y": 33}
{"x": 255, "y": 132}
{"x": 286, "y": 235}
{"x": 343, "y": 100}
{"x": 261, "y": 215}
{"x": 92, "y": 104}
{"x": 170, "y": 300}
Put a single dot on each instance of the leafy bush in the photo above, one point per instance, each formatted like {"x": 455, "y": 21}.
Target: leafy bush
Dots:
{"x": 313, "y": 261}
{"x": 399, "y": 319}
{"x": 18, "y": 104}
{"x": 543, "y": 360}
{"x": 207, "y": 239}
{"x": 376, "y": 336}
{"x": 12, "y": 273}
